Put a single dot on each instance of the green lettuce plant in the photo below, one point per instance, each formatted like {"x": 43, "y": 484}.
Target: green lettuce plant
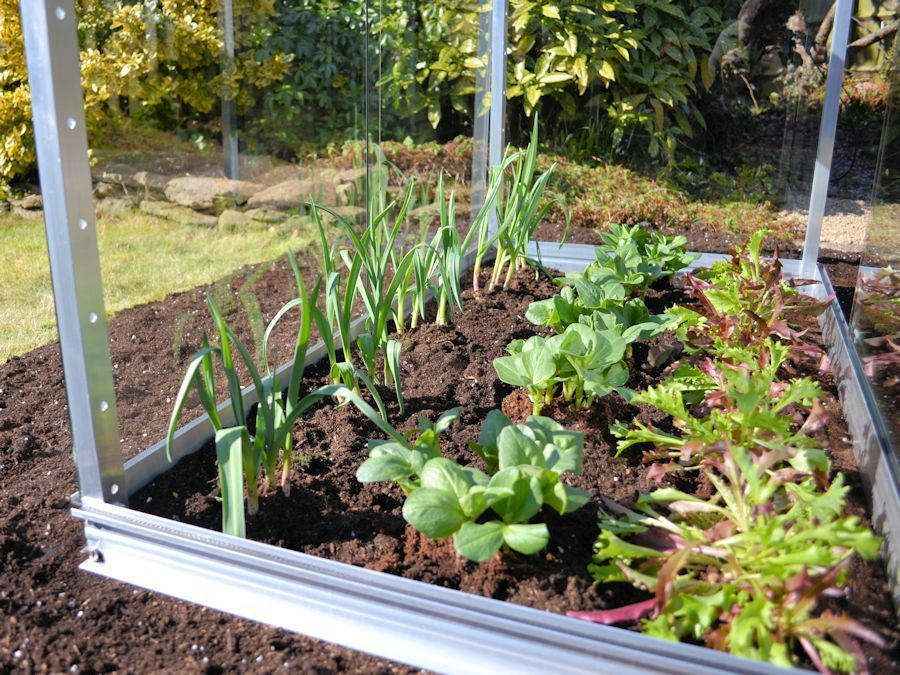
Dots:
{"x": 631, "y": 259}
{"x": 630, "y": 318}
{"x": 483, "y": 512}
{"x": 743, "y": 403}
{"x": 744, "y": 300}
{"x": 743, "y": 571}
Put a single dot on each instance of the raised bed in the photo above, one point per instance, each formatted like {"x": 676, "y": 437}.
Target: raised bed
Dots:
{"x": 399, "y": 618}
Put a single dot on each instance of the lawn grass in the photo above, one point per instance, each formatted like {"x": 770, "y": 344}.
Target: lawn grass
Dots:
{"x": 142, "y": 259}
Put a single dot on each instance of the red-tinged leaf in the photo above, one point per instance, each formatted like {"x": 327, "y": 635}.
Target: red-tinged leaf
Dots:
{"x": 657, "y": 539}
{"x": 767, "y": 460}
{"x": 806, "y": 304}
{"x": 721, "y": 530}
{"x": 818, "y": 418}
{"x": 813, "y": 655}
{"x": 797, "y": 282}
{"x": 814, "y": 351}
{"x": 698, "y": 289}
{"x": 829, "y": 622}
{"x": 691, "y": 449}
{"x": 848, "y": 644}
{"x": 872, "y": 362}
{"x": 658, "y": 471}
{"x": 631, "y": 612}
{"x": 665, "y": 579}
{"x": 776, "y": 389}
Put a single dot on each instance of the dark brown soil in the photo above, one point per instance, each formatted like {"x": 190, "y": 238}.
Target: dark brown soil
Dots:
{"x": 451, "y": 366}
{"x": 54, "y": 618}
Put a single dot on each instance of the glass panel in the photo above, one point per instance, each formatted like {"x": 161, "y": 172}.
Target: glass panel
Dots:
{"x": 714, "y": 138}
{"x": 209, "y": 147}
{"x": 876, "y": 307}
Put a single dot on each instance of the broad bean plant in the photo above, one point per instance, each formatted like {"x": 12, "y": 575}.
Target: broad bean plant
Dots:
{"x": 483, "y": 512}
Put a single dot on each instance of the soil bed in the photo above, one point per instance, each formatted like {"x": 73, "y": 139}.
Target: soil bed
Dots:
{"x": 55, "y": 618}
{"x": 330, "y": 514}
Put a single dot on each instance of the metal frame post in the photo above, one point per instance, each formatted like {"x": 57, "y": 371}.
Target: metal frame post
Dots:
{"x": 482, "y": 109}
{"x": 51, "y": 49}
{"x": 497, "y": 67}
{"x": 830, "y": 111}
{"x": 229, "y": 113}
{"x": 498, "y": 82}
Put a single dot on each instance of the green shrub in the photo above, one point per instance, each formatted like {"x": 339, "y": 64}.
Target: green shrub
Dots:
{"x": 635, "y": 64}
{"x": 160, "y": 59}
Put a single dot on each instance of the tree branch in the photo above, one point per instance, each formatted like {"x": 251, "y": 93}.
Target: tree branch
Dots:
{"x": 872, "y": 38}
{"x": 825, "y": 29}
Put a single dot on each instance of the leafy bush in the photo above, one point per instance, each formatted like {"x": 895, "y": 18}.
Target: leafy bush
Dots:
{"x": 160, "y": 59}
{"x": 638, "y": 64}
{"x": 323, "y": 100}
{"x": 744, "y": 300}
{"x": 583, "y": 363}
{"x": 742, "y": 402}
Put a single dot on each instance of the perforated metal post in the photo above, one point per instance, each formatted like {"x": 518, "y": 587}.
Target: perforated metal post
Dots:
{"x": 51, "y": 49}
{"x": 827, "y": 130}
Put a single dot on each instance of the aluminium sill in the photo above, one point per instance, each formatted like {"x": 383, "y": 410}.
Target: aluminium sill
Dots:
{"x": 400, "y": 619}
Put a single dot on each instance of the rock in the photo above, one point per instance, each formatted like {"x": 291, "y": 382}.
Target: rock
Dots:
{"x": 31, "y": 202}
{"x": 204, "y": 193}
{"x": 151, "y": 182}
{"x": 266, "y": 216}
{"x": 293, "y": 194}
{"x": 179, "y": 214}
{"x": 350, "y": 175}
{"x": 277, "y": 175}
{"x": 19, "y": 212}
{"x": 113, "y": 207}
{"x": 231, "y": 220}
{"x": 103, "y": 190}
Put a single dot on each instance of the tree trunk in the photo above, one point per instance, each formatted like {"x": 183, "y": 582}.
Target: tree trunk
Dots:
{"x": 750, "y": 11}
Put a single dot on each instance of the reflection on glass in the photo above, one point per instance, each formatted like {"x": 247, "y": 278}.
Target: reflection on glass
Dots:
{"x": 876, "y": 309}
{"x": 215, "y": 126}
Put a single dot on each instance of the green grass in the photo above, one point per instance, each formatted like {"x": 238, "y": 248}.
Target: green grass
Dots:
{"x": 142, "y": 258}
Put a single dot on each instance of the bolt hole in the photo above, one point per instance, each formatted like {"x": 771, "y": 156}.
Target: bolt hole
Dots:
{"x": 104, "y": 406}
{"x": 92, "y": 317}
{"x": 82, "y": 224}
{"x": 71, "y": 123}
{"x": 60, "y": 13}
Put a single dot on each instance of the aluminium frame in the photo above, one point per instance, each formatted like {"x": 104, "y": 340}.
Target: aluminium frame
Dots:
{"x": 392, "y": 617}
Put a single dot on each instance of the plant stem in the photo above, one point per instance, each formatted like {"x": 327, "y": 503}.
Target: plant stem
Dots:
{"x": 441, "y": 319}
{"x": 252, "y": 498}
{"x": 509, "y": 275}
{"x": 287, "y": 460}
